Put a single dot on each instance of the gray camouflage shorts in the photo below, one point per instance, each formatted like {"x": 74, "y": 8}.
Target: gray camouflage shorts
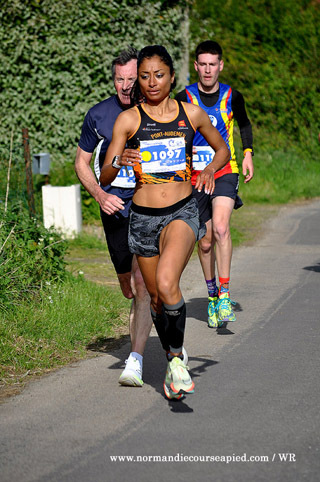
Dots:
{"x": 146, "y": 224}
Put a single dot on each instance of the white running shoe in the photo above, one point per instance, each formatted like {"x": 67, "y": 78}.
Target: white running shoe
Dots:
{"x": 132, "y": 374}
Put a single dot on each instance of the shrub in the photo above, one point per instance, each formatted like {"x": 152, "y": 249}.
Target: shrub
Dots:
{"x": 56, "y": 58}
{"x": 30, "y": 256}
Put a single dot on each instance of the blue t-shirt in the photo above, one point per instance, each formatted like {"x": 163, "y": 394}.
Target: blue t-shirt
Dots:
{"x": 97, "y": 134}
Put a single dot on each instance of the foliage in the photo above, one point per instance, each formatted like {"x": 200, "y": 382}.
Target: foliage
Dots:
{"x": 30, "y": 257}
{"x": 15, "y": 190}
{"x": 56, "y": 58}
{"x": 271, "y": 53}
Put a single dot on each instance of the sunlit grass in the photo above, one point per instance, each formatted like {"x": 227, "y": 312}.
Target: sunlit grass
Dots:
{"x": 282, "y": 177}
{"x": 58, "y": 327}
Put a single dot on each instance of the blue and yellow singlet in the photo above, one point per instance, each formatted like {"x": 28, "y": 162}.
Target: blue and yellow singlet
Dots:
{"x": 221, "y": 116}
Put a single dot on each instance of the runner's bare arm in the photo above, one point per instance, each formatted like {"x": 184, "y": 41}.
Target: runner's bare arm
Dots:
{"x": 122, "y": 130}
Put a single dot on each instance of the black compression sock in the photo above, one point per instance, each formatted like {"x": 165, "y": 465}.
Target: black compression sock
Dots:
{"x": 176, "y": 316}
{"x": 161, "y": 325}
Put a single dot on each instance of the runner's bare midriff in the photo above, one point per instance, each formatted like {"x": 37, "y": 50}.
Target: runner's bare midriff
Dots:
{"x": 161, "y": 195}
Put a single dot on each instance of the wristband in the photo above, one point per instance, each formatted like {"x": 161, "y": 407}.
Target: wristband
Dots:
{"x": 115, "y": 162}
{"x": 248, "y": 150}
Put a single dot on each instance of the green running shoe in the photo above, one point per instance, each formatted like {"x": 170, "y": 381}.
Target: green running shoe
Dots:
{"x": 224, "y": 309}
{"x": 166, "y": 386}
{"x": 169, "y": 393}
{"x": 181, "y": 382}
{"x": 212, "y": 312}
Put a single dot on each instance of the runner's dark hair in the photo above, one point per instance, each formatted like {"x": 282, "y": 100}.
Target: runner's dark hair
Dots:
{"x": 209, "y": 47}
{"x": 147, "y": 53}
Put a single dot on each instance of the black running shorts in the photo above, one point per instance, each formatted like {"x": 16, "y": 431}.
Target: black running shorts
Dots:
{"x": 226, "y": 185}
{"x": 116, "y": 231}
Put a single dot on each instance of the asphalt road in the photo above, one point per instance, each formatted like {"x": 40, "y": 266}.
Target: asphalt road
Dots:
{"x": 254, "y": 415}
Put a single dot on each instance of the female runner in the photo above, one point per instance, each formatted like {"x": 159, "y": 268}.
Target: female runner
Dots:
{"x": 164, "y": 219}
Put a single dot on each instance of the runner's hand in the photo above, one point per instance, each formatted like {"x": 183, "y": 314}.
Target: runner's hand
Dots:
{"x": 247, "y": 165}
{"x": 110, "y": 203}
{"x": 130, "y": 157}
{"x": 206, "y": 179}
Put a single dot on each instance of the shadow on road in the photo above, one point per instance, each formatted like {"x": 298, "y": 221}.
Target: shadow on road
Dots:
{"x": 106, "y": 345}
{"x": 315, "y": 268}
{"x": 154, "y": 367}
{"x": 155, "y": 362}
{"x": 197, "y": 308}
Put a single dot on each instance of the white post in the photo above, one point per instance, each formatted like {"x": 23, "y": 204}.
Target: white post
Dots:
{"x": 62, "y": 208}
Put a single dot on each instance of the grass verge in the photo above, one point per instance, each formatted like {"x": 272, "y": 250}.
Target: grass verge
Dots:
{"x": 61, "y": 326}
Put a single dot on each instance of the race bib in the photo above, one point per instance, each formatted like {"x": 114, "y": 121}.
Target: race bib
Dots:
{"x": 125, "y": 178}
{"x": 163, "y": 155}
{"x": 204, "y": 156}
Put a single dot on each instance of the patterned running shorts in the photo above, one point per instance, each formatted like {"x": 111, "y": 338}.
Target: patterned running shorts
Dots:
{"x": 146, "y": 224}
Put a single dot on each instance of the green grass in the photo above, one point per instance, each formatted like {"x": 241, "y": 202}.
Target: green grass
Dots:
{"x": 281, "y": 176}
{"x": 86, "y": 241}
{"x": 58, "y": 327}
{"x": 88, "y": 255}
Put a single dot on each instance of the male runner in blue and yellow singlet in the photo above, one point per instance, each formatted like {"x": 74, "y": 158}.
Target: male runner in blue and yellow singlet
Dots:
{"x": 223, "y": 104}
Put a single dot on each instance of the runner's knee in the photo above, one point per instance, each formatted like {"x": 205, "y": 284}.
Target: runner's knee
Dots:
{"x": 168, "y": 288}
{"x": 138, "y": 286}
{"x": 221, "y": 231}
{"x": 204, "y": 245}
